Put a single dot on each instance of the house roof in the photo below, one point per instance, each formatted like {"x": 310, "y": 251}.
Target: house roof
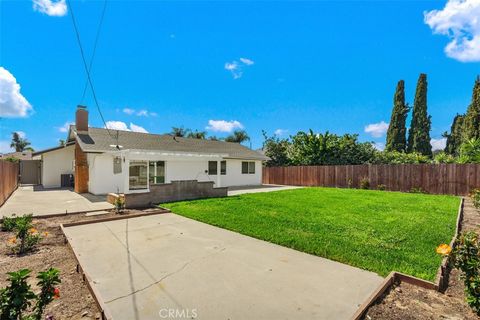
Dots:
{"x": 100, "y": 140}
{"x": 36, "y": 153}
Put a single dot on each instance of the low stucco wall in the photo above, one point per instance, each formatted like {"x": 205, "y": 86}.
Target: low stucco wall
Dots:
{"x": 174, "y": 191}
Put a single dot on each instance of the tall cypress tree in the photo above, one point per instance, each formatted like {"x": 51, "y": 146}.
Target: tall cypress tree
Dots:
{"x": 396, "y": 134}
{"x": 471, "y": 126}
{"x": 454, "y": 138}
{"x": 419, "y": 132}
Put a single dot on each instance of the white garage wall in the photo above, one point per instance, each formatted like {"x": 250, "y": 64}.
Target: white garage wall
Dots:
{"x": 54, "y": 164}
{"x": 101, "y": 179}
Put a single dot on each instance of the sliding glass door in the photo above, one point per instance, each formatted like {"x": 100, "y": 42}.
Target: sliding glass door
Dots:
{"x": 138, "y": 175}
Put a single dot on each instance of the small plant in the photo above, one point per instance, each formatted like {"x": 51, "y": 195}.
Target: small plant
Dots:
{"x": 8, "y": 223}
{"x": 466, "y": 257}
{"x": 381, "y": 187}
{"x": 349, "y": 183}
{"x": 364, "y": 183}
{"x": 417, "y": 190}
{"x": 119, "y": 204}
{"x": 26, "y": 236}
{"x": 18, "y": 297}
{"x": 475, "y": 194}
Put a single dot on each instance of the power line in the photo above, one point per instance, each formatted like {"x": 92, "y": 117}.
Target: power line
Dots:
{"x": 95, "y": 47}
{"x": 89, "y": 78}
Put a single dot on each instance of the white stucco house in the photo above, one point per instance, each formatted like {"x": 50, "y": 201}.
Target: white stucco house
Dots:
{"x": 104, "y": 161}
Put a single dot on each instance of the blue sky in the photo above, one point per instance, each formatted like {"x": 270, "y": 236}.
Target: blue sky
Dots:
{"x": 278, "y": 66}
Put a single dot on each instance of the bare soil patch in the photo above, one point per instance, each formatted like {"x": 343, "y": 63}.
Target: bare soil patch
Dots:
{"x": 75, "y": 300}
{"x": 406, "y": 301}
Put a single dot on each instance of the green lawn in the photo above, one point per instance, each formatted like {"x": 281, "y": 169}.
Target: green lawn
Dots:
{"x": 374, "y": 230}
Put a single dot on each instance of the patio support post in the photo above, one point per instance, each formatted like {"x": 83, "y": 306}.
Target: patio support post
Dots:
{"x": 219, "y": 169}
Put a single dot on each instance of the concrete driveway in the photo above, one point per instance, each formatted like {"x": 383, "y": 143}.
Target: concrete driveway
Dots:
{"x": 163, "y": 266}
{"x": 40, "y": 201}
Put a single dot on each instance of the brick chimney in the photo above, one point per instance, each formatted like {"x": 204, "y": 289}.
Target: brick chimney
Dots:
{"x": 81, "y": 119}
{"x": 81, "y": 162}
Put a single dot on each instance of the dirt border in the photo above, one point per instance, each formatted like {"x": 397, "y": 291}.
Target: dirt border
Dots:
{"x": 105, "y": 314}
{"x": 441, "y": 280}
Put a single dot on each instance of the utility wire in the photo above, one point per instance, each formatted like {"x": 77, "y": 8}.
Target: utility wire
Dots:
{"x": 89, "y": 78}
{"x": 94, "y": 47}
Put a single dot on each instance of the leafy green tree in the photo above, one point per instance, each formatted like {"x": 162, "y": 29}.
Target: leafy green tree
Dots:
{"x": 179, "y": 132}
{"x": 276, "y": 149}
{"x": 396, "y": 134}
{"x": 319, "y": 149}
{"x": 61, "y": 143}
{"x": 419, "y": 132}
{"x": 471, "y": 125}
{"x": 18, "y": 143}
{"x": 197, "y": 134}
{"x": 454, "y": 138}
{"x": 396, "y": 157}
{"x": 470, "y": 151}
{"x": 238, "y": 136}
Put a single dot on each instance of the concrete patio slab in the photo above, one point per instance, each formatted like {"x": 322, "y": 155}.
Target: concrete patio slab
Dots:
{"x": 40, "y": 201}
{"x": 157, "y": 266}
{"x": 234, "y": 191}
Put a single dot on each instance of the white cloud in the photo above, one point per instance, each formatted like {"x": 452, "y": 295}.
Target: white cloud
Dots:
{"x": 377, "y": 130}
{"x": 460, "y": 21}
{"x": 140, "y": 113}
{"x": 117, "y": 125}
{"x": 128, "y": 111}
{"x": 51, "y": 7}
{"x": 380, "y": 146}
{"x": 223, "y": 126}
{"x": 120, "y": 125}
{"x": 65, "y": 126}
{"x": 236, "y": 67}
{"x": 438, "y": 144}
{"x": 280, "y": 132}
{"x": 136, "y": 128}
{"x": 247, "y": 61}
{"x": 12, "y": 102}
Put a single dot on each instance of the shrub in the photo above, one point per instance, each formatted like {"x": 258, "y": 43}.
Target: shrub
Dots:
{"x": 119, "y": 204}
{"x": 417, "y": 190}
{"x": 18, "y": 297}
{"x": 475, "y": 194}
{"x": 466, "y": 257}
{"x": 396, "y": 157}
{"x": 8, "y": 223}
{"x": 381, "y": 187}
{"x": 443, "y": 157}
{"x": 364, "y": 183}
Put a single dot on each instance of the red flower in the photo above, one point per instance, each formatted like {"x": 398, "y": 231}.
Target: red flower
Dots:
{"x": 56, "y": 293}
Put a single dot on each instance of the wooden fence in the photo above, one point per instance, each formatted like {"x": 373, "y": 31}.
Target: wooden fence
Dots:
{"x": 456, "y": 179}
{"x": 8, "y": 179}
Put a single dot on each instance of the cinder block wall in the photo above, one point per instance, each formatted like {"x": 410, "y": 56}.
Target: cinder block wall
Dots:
{"x": 174, "y": 191}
